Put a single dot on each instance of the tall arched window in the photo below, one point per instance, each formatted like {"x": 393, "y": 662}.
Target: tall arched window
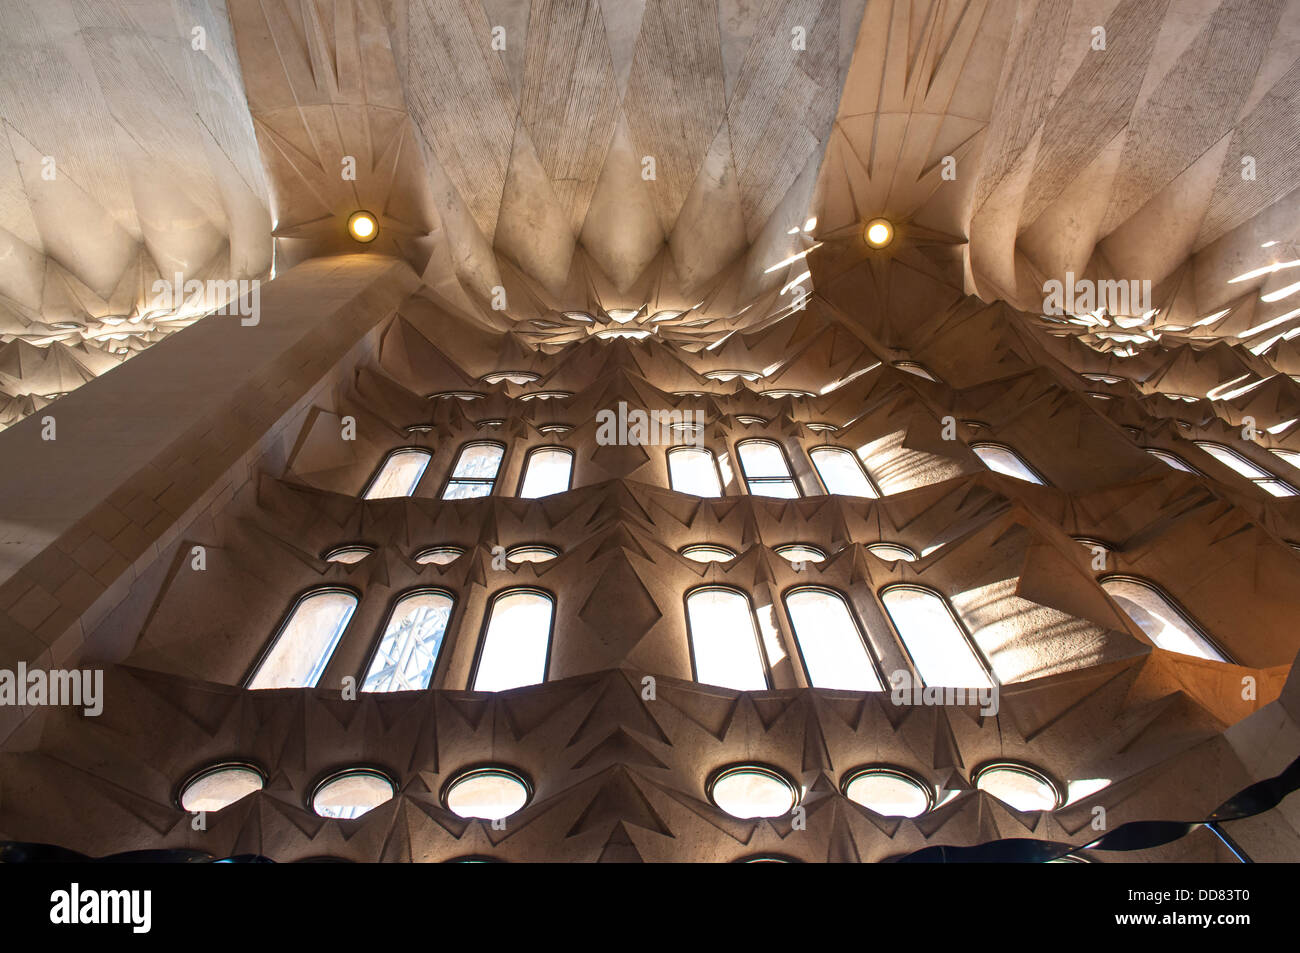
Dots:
{"x": 766, "y": 473}
{"x": 940, "y": 649}
{"x": 693, "y": 470}
{"x": 1004, "y": 460}
{"x": 408, "y": 651}
{"x": 831, "y": 644}
{"x": 724, "y": 640}
{"x": 1160, "y": 617}
{"x": 475, "y": 472}
{"x": 300, "y": 649}
{"x": 398, "y": 475}
{"x": 842, "y": 472}
{"x": 547, "y": 470}
{"x": 1261, "y": 478}
{"x": 516, "y": 644}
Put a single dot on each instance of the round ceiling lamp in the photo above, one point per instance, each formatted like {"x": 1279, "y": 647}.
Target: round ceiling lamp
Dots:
{"x": 878, "y": 233}
{"x": 363, "y": 226}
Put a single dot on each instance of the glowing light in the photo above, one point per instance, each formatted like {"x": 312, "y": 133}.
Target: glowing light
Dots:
{"x": 879, "y": 233}
{"x": 1266, "y": 270}
{"x": 1280, "y": 319}
{"x": 795, "y": 281}
{"x": 1281, "y": 293}
{"x": 792, "y": 259}
{"x": 363, "y": 226}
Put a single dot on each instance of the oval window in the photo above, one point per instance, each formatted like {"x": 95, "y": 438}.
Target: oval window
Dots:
{"x": 219, "y": 786}
{"x": 489, "y": 793}
{"x": 352, "y": 793}
{"x": 753, "y": 790}
{"x": 891, "y": 792}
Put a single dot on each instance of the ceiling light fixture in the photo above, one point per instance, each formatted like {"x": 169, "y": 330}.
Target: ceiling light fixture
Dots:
{"x": 363, "y": 226}
{"x": 878, "y": 233}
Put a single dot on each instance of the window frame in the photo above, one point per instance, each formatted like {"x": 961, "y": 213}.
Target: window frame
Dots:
{"x": 857, "y": 625}
{"x": 487, "y": 623}
{"x": 374, "y": 476}
{"x": 763, "y": 660}
{"x": 837, "y": 448}
{"x": 367, "y": 769}
{"x": 387, "y": 621}
{"x": 1007, "y": 448}
{"x": 1160, "y": 453}
{"x": 978, "y": 653}
{"x": 713, "y": 459}
{"x": 1188, "y": 619}
{"x": 1269, "y": 475}
{"x": 744, "y": 474}
{"x": 452, "y": 478}
{"x": 528, "y": 457}
{"x": 246, "y": 682}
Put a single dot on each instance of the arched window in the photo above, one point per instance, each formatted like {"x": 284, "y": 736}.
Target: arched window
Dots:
{"x": 842, "y": 472}
{"x": 830, "y": 642}
{"x": 547, "y": 470}
{"x": 725, "y": 647}
{"x": 1160, "y": 617}
{"x": 475, "y": 472}
{"x": 408, "y": 651}
{"x": 938, "y": 645}
{"x": 1172, "y": 459}
{"x": 1004, "y": 460}
{"x": 1261, "y": 478}
{"x": 765, "y": 470}
{"x": 398, "y": 475}
{"x": 693, "y": 470}
{"x": 516, "y": 644}
{"x": 305, "y": 640}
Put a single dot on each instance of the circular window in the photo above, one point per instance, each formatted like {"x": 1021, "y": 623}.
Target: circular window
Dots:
{"x": 753, "y": 790}
{"x": 351, "y": 793}
{"x": 439, "y": 555}
{"x": 750, "y": 419}
{"x": 892, "y": 792}
{"x": 708, "y": 553}
{"x": 488, "y": 793}
{"x": 891, "y": 552}
{"x": 555, "y": 428}
{"x": 531, "y": 554}
{"x": 220, "y": 785}
{"x": 348, "y": 554}
{"x": 490, "y": 422}
{"x": 800, "y": 553}
{"x": 767, "y": 859}
{"x": 1020, "y": 786}
{"x": 419, "y": 428}
{"x": 821, "y": 427}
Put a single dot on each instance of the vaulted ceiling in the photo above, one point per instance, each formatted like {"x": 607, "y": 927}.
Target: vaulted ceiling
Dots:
{"x": 703, "y": 162}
